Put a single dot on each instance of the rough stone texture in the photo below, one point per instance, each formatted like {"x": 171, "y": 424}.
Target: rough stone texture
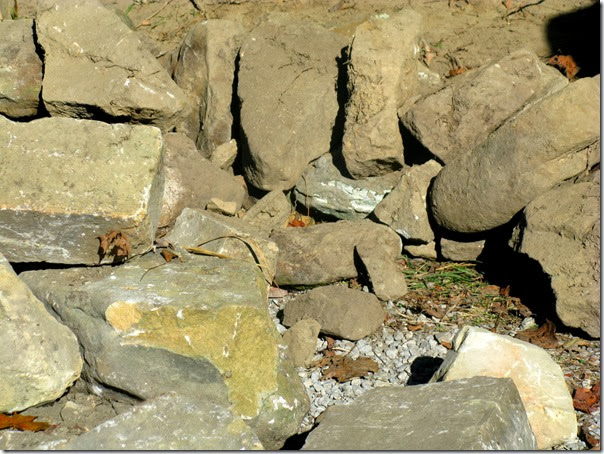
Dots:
{"x": 341, "y": 311}
{"x": 143, "y": 304}
{"x": 8, "y": 9}
{"x": 225, "y": 235}
{"x": 21, "y": 75}
{"x": 323, "y": 187}
{"x": 40, "y": 357}
{"x": 224, "y": 155}
{"x": 405, "y": 208}
{"x": 561, "y": 230}
{"x": 270, "y": 212}
{"x": 540, "y": 382}
{"x": 65, "y": 182}
{"x": 457, "y": 118}
{"x": 480, "y": 413}
{"x": 528, "y": 155}
{"x": 192, "y": 181}
{"x": 290, "y": 124}
{"x": 381, "y": 75}
{"x": 324, "y": 253}
{"x": 461, "y": 251}
{"x": 387, "y": 281}
{"x": 95, "y": 66}
{"x": 205, "y": 71}
{"x": 427, "y": 251}
{"x": 186, "y": 423}
{"x": 301, "y": 341}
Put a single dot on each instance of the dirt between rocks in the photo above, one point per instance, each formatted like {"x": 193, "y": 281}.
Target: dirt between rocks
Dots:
{"x": 458, "y": 35}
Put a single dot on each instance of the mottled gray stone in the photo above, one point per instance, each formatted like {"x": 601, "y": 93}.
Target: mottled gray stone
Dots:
{"x": 40, "y": 357}
{"x": 341, "y": 311}
{"x": 65, "y": 182}
{"x": 323, "y": 188}
{"x": 96, "y": 66}
{"x": 21, "y": 74}
{"x": 301, "y": 341}
{"x": 387, "y": 281}
{"x": 480, "y": 413}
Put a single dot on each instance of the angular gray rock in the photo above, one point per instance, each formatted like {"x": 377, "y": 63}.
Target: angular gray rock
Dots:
{"x": 301, "y": 341}
{"x": 40, "y": 357}
{"x": 525, "y": 157}
{"x": 323, "y": 188}
{"x": 480, "y": 413}
{"x": 478, "y": 352}
{"x": 387, "y": 281}
{"x": 460, "y": 116}
{"x": 405, "y": 210}
{"x": 324, "y": 253}
{"x": 148, "y": 306}
{"x": 270, "y": 212}
{"x": 561, "y": 230}
{"x": 381, "y": 75}
{"x": 290, "y": 124}
{"x": 21, "y": 75}
{"x": 185, "y": 423}
{"x": 341, "y": 311}
{"x": 224, "y": 155}
{"x": 205, "y": 71}
{"x": 227, "y": 236}
{"x": 66, "y": 182}
{"x": 192, "y": 181}
{"x": 427, "y": 251}
{"x": 461, "y": 251}
{"x": 95, "y": 66}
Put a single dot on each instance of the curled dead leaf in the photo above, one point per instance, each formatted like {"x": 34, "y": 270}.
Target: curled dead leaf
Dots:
{"x": 587, "y": 399}
{"x": 566, "y": 64}
{"x": 22, "y": 422}
{"x": 543, "y": 336}
{"x": 114, "y": 243}
{"x": 343, "y": 368}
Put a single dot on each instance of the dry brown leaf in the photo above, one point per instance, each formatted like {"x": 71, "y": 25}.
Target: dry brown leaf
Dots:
{"x": 587, "y": 399}
{"x": 22, "y": 422}
{"x": 343, "y": 368}
{"x": 446, "y": 344}
{"x": 116, "y": 244}
{"x": 415, "y": 327}
{"x": 299, "y": 220}
{"x": 544, "y": 336}
{"x": 169, "y": 255}
{"x": 566, "y": 64}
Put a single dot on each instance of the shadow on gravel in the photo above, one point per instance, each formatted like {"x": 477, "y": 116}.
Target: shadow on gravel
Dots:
{"x": 422, "y": 370}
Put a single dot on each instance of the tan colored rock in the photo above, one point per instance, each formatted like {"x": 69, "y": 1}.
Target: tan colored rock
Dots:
{"x": 66, "y": 182}
{"x": 540, "y": 381}
{"x": 387, "y": 281}
{"x": 224, "y": 155}
{"x": 270, "y": 212}
{"x": 461, "y": 251}
{"x": 427, "y": 251}
{"x": 301, "y": 341}
{"x": 221, "y": 207}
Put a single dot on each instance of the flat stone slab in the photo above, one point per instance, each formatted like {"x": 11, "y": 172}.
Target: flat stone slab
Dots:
{"x": 479, "y": 413}
{"x": 65, "y": 182}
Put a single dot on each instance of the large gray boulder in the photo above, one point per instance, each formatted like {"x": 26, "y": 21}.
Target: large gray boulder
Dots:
{"x": 21, "y": 75}
{"x": 97, "y": 67}
{"x": 206, "y": 314}
{"x": 64, "y": 183}
{"x": 40, "y": 357}
{"x": 531, "y": 153}
{"x": 561, "y": 230}
{"x": 287, "y": 87}
{"x": 322, "y": 187}
{"x": 460, "y": 116}
{"x": 205, "y": 71}
{"x": 187, "y": 423}
{"x": 381, "y": 76}
{"x": 480, "y": 413}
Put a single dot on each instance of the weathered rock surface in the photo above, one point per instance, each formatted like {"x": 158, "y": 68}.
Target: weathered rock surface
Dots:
{"x": 324, "y": 188}
{"x": 205, "y": 71}
{"x": 480, "y": 413}
{"x": 270, "y": 212}
{"x": 341, "y": 311}
{"x": 290, "y": 124}
{"x": 405, "y": 210}
{"x": 387, "y": 281}
{"x": 301, "y": 341}
{"x": 561, "y": 230}
{"x": 224, "y": 155}
{"x": 324, "y": 253}
{"x": 381, "y": 75}
{"x": 192, "y": 181}
{"x": 459, "y": 251}
{"x": 227, "y": 236}
{"x": 539, "y": 379}
{"x": 95, "y": 66}
{"x": 427, "y": 251}
{"x": 186, "y": 424}
{"x": 528, "y": 155}
{"x": 65, "y": 182}
{"x": 40, "y": 357}
{"x": 460, "y": 116}
{"x": 21, "y": 75}
{"x": 140, "y": 305}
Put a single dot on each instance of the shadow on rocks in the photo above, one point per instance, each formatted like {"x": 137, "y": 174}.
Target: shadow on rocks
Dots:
{"x": 422, "y": 370}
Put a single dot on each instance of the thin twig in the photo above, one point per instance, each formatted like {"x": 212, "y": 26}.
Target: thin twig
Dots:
{"x": 520, "y": 8}
{"x": 154, "y": 14}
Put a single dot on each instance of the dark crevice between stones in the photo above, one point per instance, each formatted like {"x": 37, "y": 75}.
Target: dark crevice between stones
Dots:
{"x": 236, "y": 129}
{"x": 414, "y": 152}
{"x": 20, "y": 267}
{"x": 295, "y": 442}
{"x": 422, "y": 370}
{"x": 42, "y": 112}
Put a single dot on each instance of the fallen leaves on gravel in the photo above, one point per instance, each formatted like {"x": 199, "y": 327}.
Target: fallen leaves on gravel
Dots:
{"x": 22, "y": 422}
{"x": 587, "y": 399}
{"x": 544, "y": 336}
{"x": 343, "y": 368}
